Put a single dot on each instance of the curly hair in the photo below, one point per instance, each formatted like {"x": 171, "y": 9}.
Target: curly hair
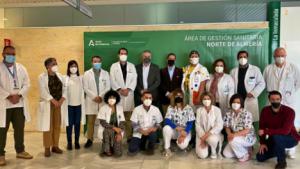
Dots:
{"x": 112, "y": 93}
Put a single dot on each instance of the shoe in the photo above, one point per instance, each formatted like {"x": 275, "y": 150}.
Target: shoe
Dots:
{"x": 88, "y": 143}
{"x": 131, "y": 154}
{"x": 77, "y": 146}
{"x": 47, "y": 152}
{"x": 244, "y": 158}
{"x": 213, "y": 156}
{"x": 69, "y": 146}
{"x": 168, "y": 153}
{"x": 281, "y": 165}
{"x": 2, "y": 161}
{"x": 24, "y": 155}
{"x": 149, "y": 152}
{"x": 57, "y": 150}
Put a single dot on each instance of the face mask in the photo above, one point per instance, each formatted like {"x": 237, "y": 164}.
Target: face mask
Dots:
{"x": 97, "y": 66}
{"x": 147, "y": 102}
{"x": 280, "y": 60}
{"x": 194, "y": 61}
{"x": 112, "y": 101}
{"x": 73, "y": 70}
{"x": 123, "y": 58}
{"x": 147, "y": 60}
{"x": 206, "y": 102}
{"x": 178, "y": 100}
{"x": 243, "y": 61}
{"x": 219, "y": 69}
{"x": 171, "y": 62}
{"x": 54, "y": 68}
{"x": 276, "y": 105}
{"x": 10, "y": 58}
{"x": 235, "y": 106}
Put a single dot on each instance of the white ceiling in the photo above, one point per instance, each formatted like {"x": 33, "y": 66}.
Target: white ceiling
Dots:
{"x": 33, "y": 3}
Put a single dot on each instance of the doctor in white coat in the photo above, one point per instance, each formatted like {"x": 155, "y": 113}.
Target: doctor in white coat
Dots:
{"x": 194, "y": 80}
{"x": 96, "y": 83}
{"x": 284, "y": 77}
{"x": 221, "y": 86}
{"x": 14, "y": 85}
{"x": 123, "y": 78}
{"x": 249, "y": 83}
{"x": 51, "y": 106}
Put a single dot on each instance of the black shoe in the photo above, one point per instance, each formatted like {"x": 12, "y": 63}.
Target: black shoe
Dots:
{"x": 69, "y": 146}
{"x": 131, "y": 153}
{"x": 281, "y": 165}
{"x": 149, "y": 152}
{"x": 77, "y": 146}
{"x": 88, "y": 143}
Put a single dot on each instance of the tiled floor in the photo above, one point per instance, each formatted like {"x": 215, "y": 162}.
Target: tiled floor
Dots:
{"x": 89, "y": 159}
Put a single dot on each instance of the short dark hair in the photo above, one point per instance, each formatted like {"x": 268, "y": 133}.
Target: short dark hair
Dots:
{"x": 122, "y": 49}
{"x": 274, "y": 92}
{"x": 194, "y": 52}
{"x": 240, "y": 52}
{"x": 146, "y": 92}
{"x": 171, "y": 54}
{"x": 8, "y": 47}
{"x": 72, "y": 62}
{"x": 112, "y": 93}
{"x": 97, "y": 56}
{"x": 237, "y": 96}
{"x": 215, "y": 64}
{"x": 48, "y": 61}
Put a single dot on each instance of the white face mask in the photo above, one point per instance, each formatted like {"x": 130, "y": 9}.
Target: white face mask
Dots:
{"x": 243, "y": 61}
{"x": 123, "y": 58}
{"x": 194, "y": 61}
{"x": 112, "y": 101}
{"x": 73, "y": 70}
{"x": 54, "y": 68}
{"x": 206, "y": 103}
{"x": 219, "y": 69}
{"x": 147, "y": 102}
{"x": 280, "y": 60}
{"x": 235, "y": 106}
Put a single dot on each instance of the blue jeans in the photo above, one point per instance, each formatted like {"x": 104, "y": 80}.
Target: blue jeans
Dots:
{"x": 74, "y": 116}
{"x": 137, "y": 144}
{"x": 276, "y": 147}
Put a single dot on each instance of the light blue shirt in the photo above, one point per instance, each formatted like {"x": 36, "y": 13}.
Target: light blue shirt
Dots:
{"x": 146, "y": 69}
{"x": 171, "y": 71}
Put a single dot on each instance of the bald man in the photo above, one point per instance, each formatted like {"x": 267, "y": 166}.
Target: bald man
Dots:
{"x": 285, "y": 78}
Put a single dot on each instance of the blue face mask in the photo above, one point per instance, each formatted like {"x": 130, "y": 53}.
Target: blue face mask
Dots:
{"x": 10, "y": 58}
{"x": 97, "y": 66}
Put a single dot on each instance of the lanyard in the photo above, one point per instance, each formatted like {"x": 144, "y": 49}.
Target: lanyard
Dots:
{"x": 14, "y": 76}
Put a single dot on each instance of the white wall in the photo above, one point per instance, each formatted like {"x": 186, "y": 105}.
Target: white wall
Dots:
{"x": 290, "y": 39}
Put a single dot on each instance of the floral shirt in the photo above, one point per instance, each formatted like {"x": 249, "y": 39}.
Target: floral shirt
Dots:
{"x": 239, "y": 122}
{"x": 180, "y": 117}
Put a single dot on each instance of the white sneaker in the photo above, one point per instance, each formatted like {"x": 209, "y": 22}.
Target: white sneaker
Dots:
{"x": 291, "y": 152}
{"x": 213, "y": 156}
{"x": 244, "y": 158}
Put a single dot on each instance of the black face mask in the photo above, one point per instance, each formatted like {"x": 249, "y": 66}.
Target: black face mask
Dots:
{"x": 178, "y": 100}
{"x": 171, "y": 62}
{"x": 276, "y": 105}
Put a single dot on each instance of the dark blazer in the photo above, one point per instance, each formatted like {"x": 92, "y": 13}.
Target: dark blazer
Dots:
{"x": 153, "y": 82}
{"x": 168, "y": 85}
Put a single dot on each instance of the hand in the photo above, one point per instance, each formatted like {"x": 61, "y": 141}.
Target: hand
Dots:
{"x": 181, "y": 139}
{"x": 144, "y": 132}
{"x": 118, "y": 137}
{"x": 14, "y": 99}
{"x": 152, "y": 130}
{"x": 250, "y": 95}
{"x": 230, "y": 136}
{"x": 54, "y": 102}
{"x": 179, "y": 129}
{"x": 125, "y": 92}
{"x": 142, "y": 91}
{"x": 261, "y": 132}
{"x": 97, "y": 99}
{"x": 170, "y": 95}
{"x": 117, "y": 130}
{"x": 262, "y": 149}
{"x": 202, "y": 144}
{"x": 61, "y": 101}
{"x": 183, "y": 133}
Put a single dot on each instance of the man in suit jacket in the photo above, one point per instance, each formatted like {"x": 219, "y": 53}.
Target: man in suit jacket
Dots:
{"x": 171, "y": 80}
{"x": 148, "y": 78}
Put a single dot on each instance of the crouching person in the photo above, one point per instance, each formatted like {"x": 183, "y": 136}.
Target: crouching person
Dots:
{"x": 112, "y": 127}
{"x": 146, "y": 120}
{"x": 178, "y": 123}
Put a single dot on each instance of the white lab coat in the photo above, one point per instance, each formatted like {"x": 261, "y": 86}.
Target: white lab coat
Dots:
{"x": 198, "y": 75}
{"x": 287, "y": 85}
{"x": 105, "y": 114}
{"x": 6, "y": 89}
{"x": 117, "y": 82}
{"x": 225, "y": 91}
{"x": 90, "y": 88}
{"x": 66, "y": 113}
{"x": 43, "y": 114}
{"x": 255, "y": 84}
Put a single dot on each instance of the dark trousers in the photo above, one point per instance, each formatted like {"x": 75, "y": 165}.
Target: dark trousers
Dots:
{"x": 276, "y": 147}
{"x": 74, "y": 115}
{"x": 137, "y": 144}
{"x": 17, "y": 118}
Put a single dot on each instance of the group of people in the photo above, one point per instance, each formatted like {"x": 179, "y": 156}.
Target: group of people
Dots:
{"x": 198, "y": 108}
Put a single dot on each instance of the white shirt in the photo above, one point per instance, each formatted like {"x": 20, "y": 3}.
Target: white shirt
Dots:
{"x": 146, "y": 69}
{"x": 9, "y": 105}
{"x": 74, "y": 91}
{"x": 145, "y": 119}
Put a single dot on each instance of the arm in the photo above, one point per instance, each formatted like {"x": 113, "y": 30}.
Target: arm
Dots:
{"x": 170, "y": 123}
{"x": 217, "y": 128}
{"x": 260, "y": 84}
{"x": 286, "y": 128}
{"x": 26, "y": 83}
{"x": 44, "y": 94}
{"x": 114, "y": 84}
{"x": 86, "y": 89}
{"x": 105, "y": 124}
{"x": 133, "y": 82}
{"x": 156, "y": 84}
